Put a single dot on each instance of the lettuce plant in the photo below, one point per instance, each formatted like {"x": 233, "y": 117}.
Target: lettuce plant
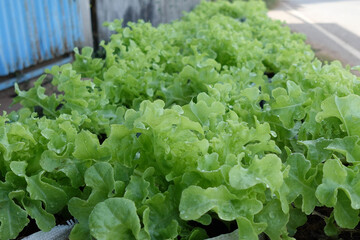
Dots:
{"x": 222, "y": 116}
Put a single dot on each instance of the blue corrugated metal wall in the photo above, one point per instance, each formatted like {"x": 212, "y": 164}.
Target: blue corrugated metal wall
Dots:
{"x": 32, "y": 31}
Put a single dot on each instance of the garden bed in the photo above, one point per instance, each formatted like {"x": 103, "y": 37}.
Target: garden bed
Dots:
{"x": 223, "y": 120}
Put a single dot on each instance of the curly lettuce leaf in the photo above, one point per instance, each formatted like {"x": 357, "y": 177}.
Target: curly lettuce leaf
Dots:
{"x": 348, "y": 146}
{"x": 317, "y": 151}
{"x": 248, "y": 230}
{"x": 340, "y": 190}
{"x": 266, "y": 170}
{"x": 289, "y": 104}
{"x": 300, "y": 183}
{"x": 100, "y": 177}
{"x": 195, "y": 202}
{"x": 275, "y": 219}
{"x": 114, "y": 218}
{"x": 345, "y": 109}
{"x": 161, "y": 217}
{"x": 12, "y": 217}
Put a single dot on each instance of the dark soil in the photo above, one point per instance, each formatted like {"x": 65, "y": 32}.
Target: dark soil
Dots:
{"x": 314, "y": 228}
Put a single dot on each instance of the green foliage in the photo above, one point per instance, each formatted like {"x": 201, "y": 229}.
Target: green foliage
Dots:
{"x": 221, "y": 115}
{"x": 114, "y": 218}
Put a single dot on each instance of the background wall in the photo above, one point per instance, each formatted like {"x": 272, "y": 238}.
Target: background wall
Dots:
{"x": 36, "y": 34}
{"x": 155, "y": 11}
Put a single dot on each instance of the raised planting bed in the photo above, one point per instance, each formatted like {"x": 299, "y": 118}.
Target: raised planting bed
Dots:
{"x": 221, "y": 121}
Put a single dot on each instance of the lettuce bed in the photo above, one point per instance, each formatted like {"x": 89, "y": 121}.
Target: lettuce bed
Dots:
{"x": 224, "y": 118}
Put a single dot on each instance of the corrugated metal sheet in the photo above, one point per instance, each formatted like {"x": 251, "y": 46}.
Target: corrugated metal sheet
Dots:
{"x": 32, "y": 31}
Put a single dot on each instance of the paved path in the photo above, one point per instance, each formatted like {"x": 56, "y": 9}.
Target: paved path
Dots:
{"x": 332, "y": 27}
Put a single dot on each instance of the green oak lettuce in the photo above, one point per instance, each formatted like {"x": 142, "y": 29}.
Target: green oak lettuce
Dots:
{"x": 223, "y": 115}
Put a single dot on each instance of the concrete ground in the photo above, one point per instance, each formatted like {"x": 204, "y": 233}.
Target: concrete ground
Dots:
{"x": 332, "y": 27}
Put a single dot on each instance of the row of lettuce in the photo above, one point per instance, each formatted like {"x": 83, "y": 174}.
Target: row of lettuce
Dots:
{"x": 222, "y": 115}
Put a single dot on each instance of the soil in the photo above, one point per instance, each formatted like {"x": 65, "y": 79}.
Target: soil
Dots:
{"x": 314, "y": 228}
